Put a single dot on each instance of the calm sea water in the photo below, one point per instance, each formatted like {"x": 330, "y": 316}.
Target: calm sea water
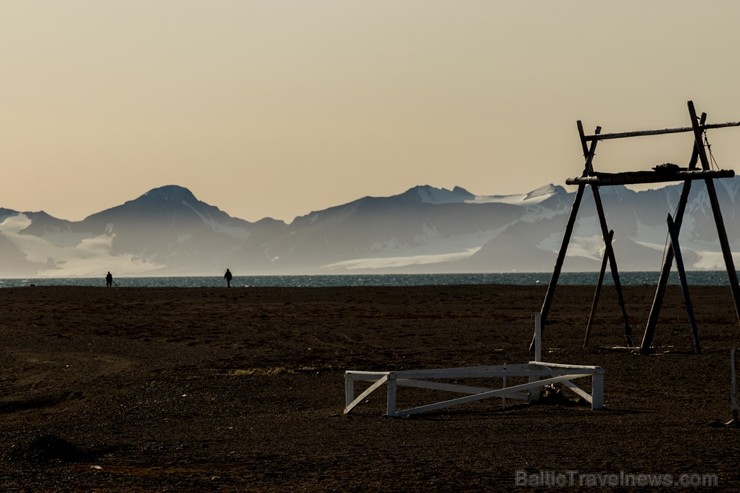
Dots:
{"x": 706, "y": 278}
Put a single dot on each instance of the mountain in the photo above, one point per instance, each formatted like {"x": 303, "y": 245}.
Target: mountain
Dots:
{"x": 169, "y": 227}
{"x": 168, "y": 231}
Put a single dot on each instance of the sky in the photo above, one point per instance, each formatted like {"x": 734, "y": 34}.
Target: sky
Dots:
{"x": 278, "y": 108}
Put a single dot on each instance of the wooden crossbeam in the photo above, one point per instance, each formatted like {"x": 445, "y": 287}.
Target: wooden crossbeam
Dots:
{"x": 635, "y": 177}
{"x": 640, "y": 133}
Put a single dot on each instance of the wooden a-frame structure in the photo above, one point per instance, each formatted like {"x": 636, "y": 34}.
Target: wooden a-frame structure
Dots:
{"x": 660, "y": 174}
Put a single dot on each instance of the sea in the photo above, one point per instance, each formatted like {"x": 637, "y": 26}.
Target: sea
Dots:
{"x": 702, "y": 278}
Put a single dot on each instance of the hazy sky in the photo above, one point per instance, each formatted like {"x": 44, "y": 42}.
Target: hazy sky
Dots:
{"x": 277, "y": 108}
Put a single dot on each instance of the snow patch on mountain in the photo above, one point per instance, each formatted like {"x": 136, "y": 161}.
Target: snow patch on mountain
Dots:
{"x": 432, "y": 195}
{"x": 91, "y": 257}
{"x": 15, "y": 224}
{"x": 381, "y": 263}
{"x": 534, "y": 197}
{"x": 591, "y": 247}
{"x": 712, "y": 260}
{"x": 34, "y": 248}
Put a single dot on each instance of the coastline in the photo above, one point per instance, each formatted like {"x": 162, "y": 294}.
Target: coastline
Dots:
{"x": 242, "y": 389}
{"x": 628, "y": 278}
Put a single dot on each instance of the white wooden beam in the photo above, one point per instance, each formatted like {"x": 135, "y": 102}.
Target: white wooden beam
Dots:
{"x": 366, "y": 393}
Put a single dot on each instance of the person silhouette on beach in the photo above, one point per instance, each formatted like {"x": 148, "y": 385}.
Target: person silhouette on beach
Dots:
{"x": 109, "y": 280}
{"x": 228, "y": 278}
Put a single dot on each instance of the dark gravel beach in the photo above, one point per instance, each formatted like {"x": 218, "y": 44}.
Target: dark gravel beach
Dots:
{"x": 242, "y": 389}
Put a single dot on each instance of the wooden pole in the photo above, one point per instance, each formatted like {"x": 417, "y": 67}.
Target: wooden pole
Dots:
{"x": 652, "y": 322}
{"x": 561, "y": 254}
{"x": 721, "y": 232}
{"x": 534, "y": 393}
{"x": 604, "y": 229}
{"x": 725, "y": 245}
{"x": 647, "y": 338}
{"x": 538, "y": 337}
{"x": 503, "y": 386}
{"x": 612, "y": 264}
{"x": 733, "y": 389}
{"x": 596, "y": 294}
{"x": 545, "y": 310}
{"x": 684, "y": 283}
{"x": 588, "y": 170}
{"x": 391, "y": 394}
{"x": 589, "y": 152}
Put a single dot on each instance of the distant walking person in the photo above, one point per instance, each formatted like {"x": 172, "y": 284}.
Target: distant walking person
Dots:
{"x": 109, "y": 280}
{"x": 228, "y": 278}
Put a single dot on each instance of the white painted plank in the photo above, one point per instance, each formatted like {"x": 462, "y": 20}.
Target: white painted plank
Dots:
{"x": 597, "y": 391}
{"x": 349, "y": 389}
{"x": 565, "y": 366}
{"x": 359, "y": 373}
{"x": 579, "y": 391}
{"x": 366, "y": 393}
{"x": 462, "y": 389}
{"x": 733, "y": 390}
{"x": 391, "y": 395}
{"x": 457, "y": 373}
{"x": 486, "y": 395}
{"x": 449, "y": 387}
{"x": 538, "y": 336}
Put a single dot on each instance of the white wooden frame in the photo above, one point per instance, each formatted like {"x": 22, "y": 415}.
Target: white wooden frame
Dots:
{"x": 538, "y": 373}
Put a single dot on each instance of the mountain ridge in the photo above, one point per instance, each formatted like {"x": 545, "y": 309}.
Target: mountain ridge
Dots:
{"x": 169, "y": 231}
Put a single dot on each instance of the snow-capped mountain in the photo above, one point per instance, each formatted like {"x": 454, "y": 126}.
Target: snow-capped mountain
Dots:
{"x": 168, "y": 231}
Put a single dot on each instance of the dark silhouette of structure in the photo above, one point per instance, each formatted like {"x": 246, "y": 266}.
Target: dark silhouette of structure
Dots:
{"x": 699, "y": 168}
{"x": 228, "y": 278}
